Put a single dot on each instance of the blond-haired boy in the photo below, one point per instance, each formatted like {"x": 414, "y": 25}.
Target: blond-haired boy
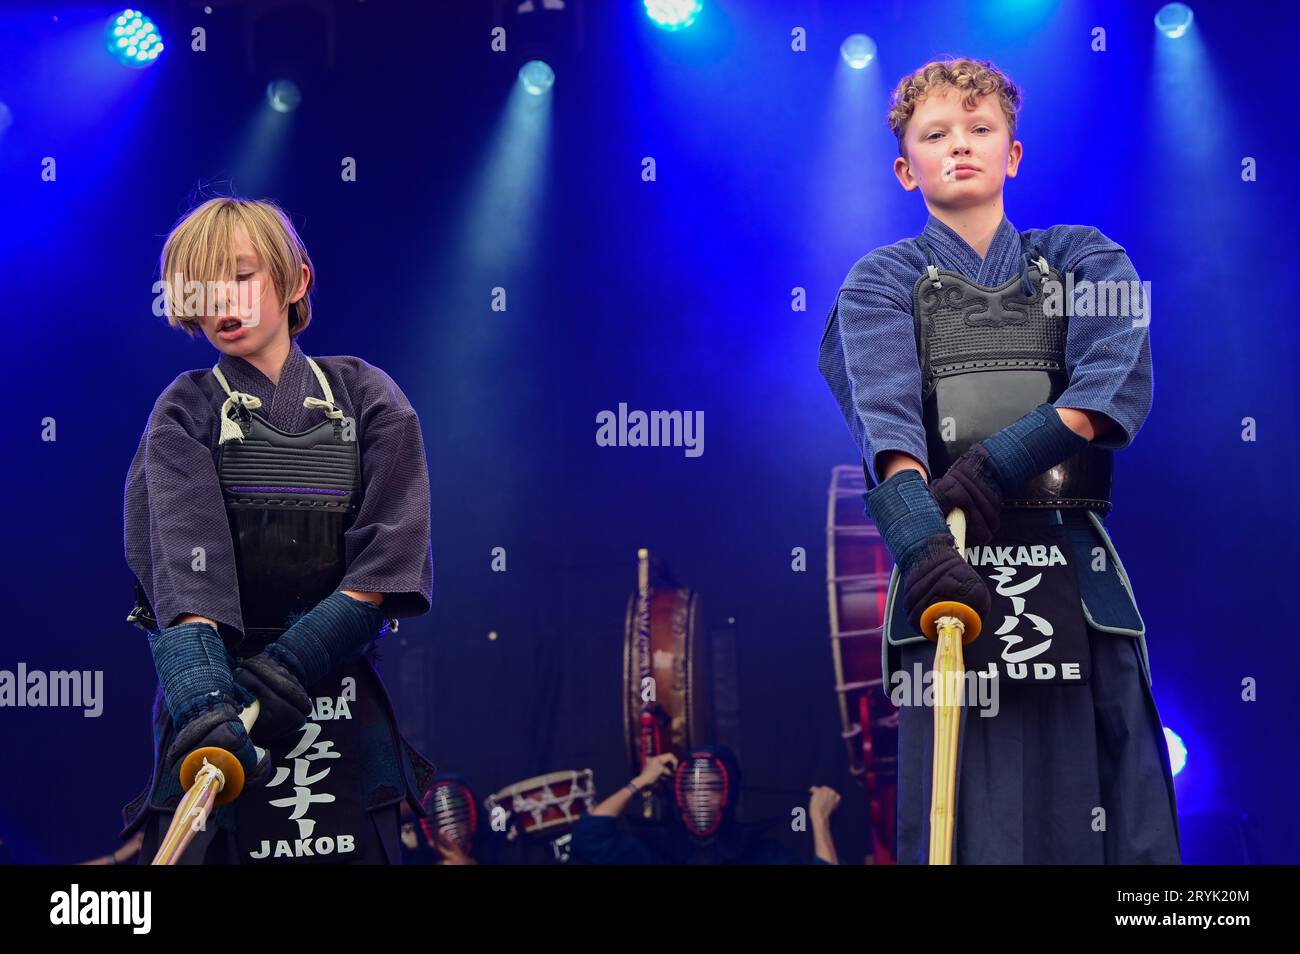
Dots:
{"x": 277, "y": 522}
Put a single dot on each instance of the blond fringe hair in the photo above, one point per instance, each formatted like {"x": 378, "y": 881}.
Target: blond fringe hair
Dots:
{"x": 201, "y": 248}
{"x": 974, "y": 78}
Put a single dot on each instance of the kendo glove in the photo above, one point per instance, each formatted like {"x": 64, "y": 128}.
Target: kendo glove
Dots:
{"x": 285, "y": 705}
{"x": 913, "y": 527}
{"x": 969, "y": 483}
{"x": 335, "y": 629}
{"x": 979, "y": 480}
{"x": 220, "y": 726}
{"x": 202, "y": 697}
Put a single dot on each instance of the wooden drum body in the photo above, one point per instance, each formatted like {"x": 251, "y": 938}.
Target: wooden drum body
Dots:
{"x": 678, "y": 664}
{"x": 857, "y": 580}
{"x": 547, "y": 804}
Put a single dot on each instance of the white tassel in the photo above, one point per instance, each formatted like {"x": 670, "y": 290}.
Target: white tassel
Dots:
{"x": 230, "y": 429}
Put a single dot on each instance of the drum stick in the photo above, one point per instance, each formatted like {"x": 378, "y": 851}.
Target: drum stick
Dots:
{"x": 949, "y": 624}
{"x": 212, "y": 777}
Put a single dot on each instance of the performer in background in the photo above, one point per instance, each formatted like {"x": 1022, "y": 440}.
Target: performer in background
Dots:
{"x": 706, "y": 788}
{"x": 450, "y": 832}
{"x": 966, "y": 386}
{"x": 277, "y": 523}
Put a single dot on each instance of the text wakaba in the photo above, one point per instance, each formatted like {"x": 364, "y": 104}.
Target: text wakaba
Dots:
{"x": 1034, "y": 555}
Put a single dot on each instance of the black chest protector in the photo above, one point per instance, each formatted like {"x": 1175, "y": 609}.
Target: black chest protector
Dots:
{"x": 989, "y": 356}
{"x": 290, "y": 498}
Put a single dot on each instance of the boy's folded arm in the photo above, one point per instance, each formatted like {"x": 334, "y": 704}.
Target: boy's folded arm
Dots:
{"x": 1108, "y": 357}
{"x": 878, "y": 337}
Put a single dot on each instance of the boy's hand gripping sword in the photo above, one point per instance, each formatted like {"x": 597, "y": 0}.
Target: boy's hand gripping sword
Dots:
{"x": 212, "y": 777}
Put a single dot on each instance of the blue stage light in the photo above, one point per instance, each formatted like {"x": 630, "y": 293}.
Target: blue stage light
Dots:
{"x": 672, "y": 14}
{"x": 858, "y": 50}
{"x": 536, "y": 77}
{"x": 1174, "y": 19}
{"x": 133, "y": 39}
{"x": 1177, "y": 751}
{"x": 283, "y": 95}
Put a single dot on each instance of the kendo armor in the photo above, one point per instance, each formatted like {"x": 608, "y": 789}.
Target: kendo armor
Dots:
{"x": 290, "y": 498}
{"x": 989, "y": 356}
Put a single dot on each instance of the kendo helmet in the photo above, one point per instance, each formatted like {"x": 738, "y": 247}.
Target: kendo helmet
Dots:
{"x": 452, "y": 812}
{"x": 706, "y": 788}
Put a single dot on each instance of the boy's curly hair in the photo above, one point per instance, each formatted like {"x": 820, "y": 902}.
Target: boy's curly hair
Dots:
{"x": 975, "y": 78}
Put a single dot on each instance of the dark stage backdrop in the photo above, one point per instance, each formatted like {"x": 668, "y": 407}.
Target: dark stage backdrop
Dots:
{"x": 672, "y": 294}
